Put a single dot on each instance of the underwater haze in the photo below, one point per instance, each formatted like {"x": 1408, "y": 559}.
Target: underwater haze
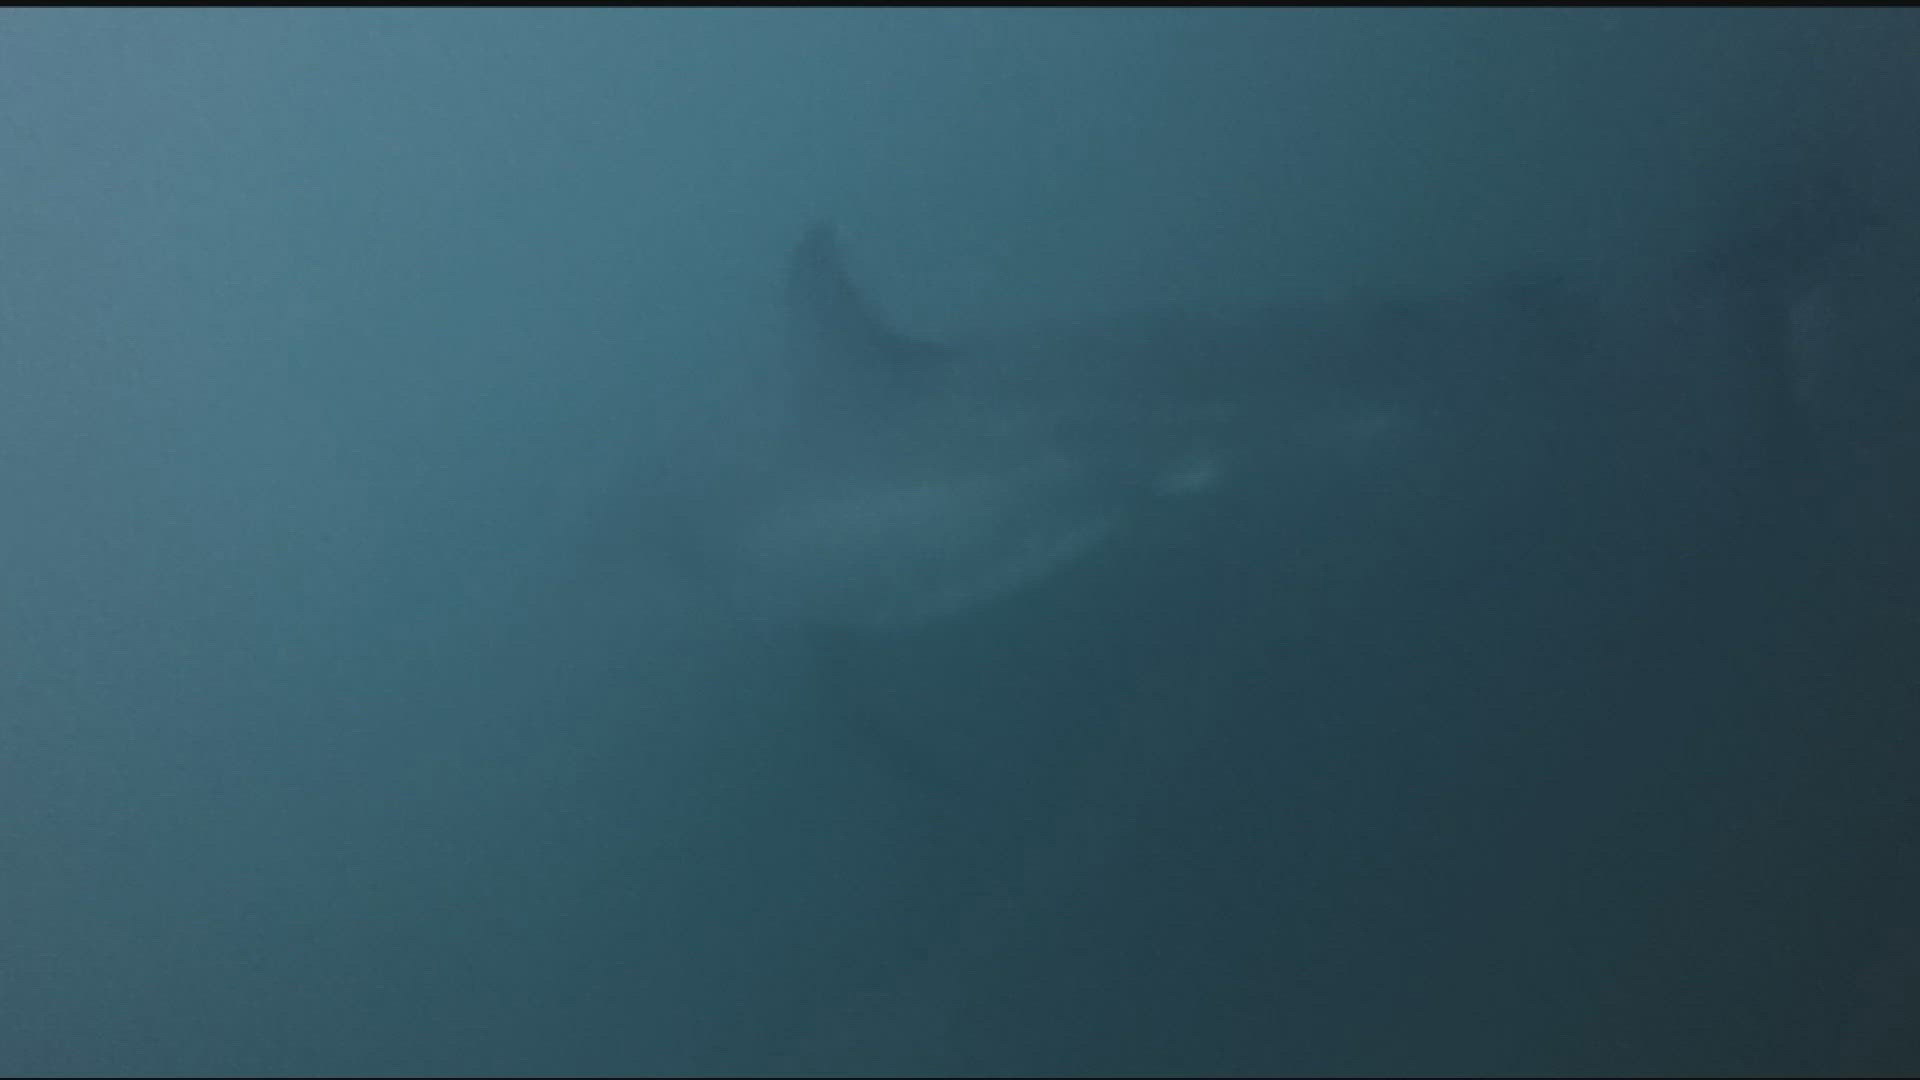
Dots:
{"x": 883, "y": 542}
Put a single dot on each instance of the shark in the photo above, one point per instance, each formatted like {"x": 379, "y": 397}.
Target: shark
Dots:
{"x": 903, "y": 482}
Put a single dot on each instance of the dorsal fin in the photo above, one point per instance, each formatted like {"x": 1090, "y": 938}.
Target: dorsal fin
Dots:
{"x": 833, "y": 330}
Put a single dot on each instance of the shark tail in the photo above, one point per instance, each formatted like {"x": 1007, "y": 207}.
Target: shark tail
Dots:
{"x": 1773, "y": 252}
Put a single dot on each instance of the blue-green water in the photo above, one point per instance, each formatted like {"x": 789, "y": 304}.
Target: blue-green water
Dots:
{"x": 1534, "y": 695}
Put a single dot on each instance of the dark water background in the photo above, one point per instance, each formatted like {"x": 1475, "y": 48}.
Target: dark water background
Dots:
{"x": 1577, "y": 740}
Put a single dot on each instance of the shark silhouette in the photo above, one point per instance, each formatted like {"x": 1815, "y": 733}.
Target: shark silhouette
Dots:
{"x": 904, "y": 482}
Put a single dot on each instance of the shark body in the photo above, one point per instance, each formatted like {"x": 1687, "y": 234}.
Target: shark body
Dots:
{"x": 904, "y": 482}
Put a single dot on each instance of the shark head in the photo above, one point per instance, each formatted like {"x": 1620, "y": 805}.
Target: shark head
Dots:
{"x": 906, "y": 481}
